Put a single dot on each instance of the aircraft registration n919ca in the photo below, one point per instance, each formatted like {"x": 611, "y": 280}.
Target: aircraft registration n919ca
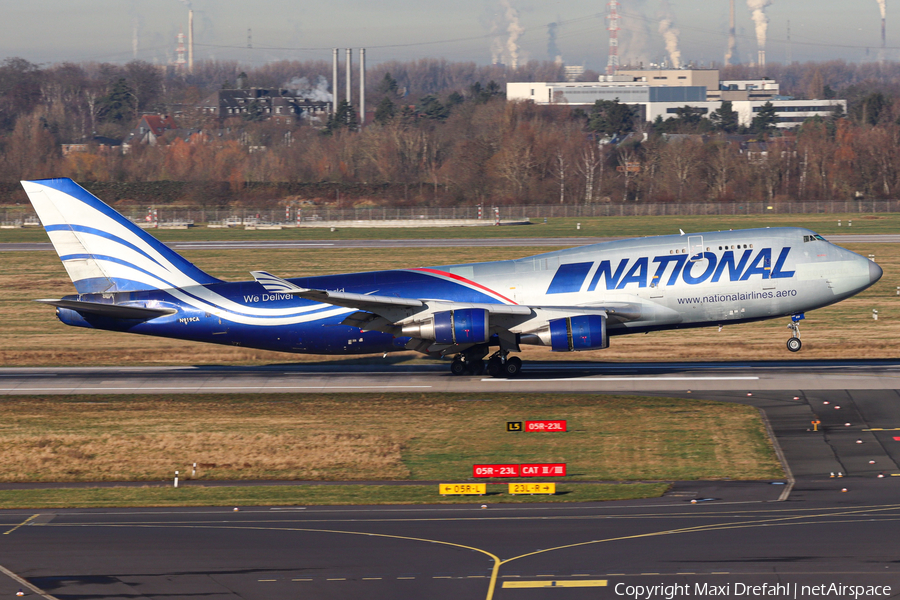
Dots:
{"x": 569, "y": 300}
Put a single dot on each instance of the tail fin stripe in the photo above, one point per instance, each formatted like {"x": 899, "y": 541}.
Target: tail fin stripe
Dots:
{"x": 118, "y": 261}
{"x": 104, "y": 235}
{"x": 79, "y": 223}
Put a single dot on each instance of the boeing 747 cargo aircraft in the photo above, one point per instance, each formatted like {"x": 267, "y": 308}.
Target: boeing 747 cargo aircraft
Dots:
{"x": 568, "y": 300}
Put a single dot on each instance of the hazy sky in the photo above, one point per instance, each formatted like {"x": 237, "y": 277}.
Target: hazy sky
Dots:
{"x": 49, "y": 31}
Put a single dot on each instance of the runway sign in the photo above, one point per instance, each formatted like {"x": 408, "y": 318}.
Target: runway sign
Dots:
{"x": 514, "y": 425}
{"x": 495, "y": 470}
{"x": 555, "y": 583}
{"x": 532, "y": 470}
{"x": 462, "y": 489}
{"x": 544, "y": 470}
{"x": 532, "y": 488}
{"x": 538, "y": 426}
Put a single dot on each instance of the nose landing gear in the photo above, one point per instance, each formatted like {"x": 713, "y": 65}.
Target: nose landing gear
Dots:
{"x": 794, "y": 344}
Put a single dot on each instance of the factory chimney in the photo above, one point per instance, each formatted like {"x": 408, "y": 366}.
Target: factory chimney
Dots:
{"x": 334, "y": 80}
{"x": 190, "y": 41}
{"x": 349, "y": 73}
{"x": 362, "y": 86}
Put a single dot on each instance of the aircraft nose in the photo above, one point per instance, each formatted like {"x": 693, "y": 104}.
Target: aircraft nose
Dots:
{"x": 875, "y": 272}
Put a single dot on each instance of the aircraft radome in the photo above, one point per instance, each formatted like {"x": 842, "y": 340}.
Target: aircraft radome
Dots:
{"x": 568, "y": 300}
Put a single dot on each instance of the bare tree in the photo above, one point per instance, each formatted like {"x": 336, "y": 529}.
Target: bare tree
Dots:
{"x": 590, "y": 166}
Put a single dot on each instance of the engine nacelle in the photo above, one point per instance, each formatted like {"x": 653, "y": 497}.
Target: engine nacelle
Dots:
{"x": 583, "y": 332}
{"x": 460, "y": 326}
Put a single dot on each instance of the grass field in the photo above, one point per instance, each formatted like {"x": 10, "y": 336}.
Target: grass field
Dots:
{"x": 30, "y": 334}
{"x": 824, "y": 224}
{"x": 368, "y": 437}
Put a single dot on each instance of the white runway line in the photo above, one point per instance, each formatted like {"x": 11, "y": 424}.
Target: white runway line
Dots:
{"x": 633, "y": 379}
{"x": 250, "y": 245}
{"x": 200, "y": 387}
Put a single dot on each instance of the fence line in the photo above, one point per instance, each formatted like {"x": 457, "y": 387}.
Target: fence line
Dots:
{"x": 197, "y": 215}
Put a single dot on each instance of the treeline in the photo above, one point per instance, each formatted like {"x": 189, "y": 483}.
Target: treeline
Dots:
{"x": 455, "y": 140}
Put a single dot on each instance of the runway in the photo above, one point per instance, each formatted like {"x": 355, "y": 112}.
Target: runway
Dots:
{"x": 349, "y": 376}
{"x": 737, "y": 535}
{"x": 418, "y": 243}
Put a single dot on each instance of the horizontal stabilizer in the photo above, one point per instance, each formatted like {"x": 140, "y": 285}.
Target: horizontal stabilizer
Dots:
{"x": 114, "y": 311}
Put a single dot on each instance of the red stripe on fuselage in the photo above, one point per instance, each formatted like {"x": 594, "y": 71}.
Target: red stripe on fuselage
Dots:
{"x": 465, "y": 281}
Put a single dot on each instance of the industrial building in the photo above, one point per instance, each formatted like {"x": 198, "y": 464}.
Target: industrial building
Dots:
{"x": 277, "y": 104}
{"x": 660, "y": 93}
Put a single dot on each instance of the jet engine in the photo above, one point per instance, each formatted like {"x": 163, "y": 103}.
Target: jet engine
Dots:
{"x": 460, "y": 326}
{"x": 582, "y": 332}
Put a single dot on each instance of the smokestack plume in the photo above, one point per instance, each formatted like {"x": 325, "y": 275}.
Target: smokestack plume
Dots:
{"x": 552, "y": 48}
{"x": 514, "y": 29}
{"x": 670, "y": 35}
{"x": 761, "y": 23}
{"x": 134, "y": 38}
{"x": 732, "y": 43}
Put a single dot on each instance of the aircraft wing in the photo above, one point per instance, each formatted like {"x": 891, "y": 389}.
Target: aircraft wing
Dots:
{"x": 426, "y": 320}
{"x": 372, "y": 302}
{"x": 115, "y": 311}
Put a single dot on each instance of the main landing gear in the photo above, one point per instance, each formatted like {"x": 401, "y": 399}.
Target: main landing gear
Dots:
{"x": 794, "y": 344}
{"x": 470, "y": 362}
{"x": 503, "y": 365}
{"x": 500, "y": 363}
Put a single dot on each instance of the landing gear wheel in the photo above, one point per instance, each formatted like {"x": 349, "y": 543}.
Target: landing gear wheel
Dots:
{"x": 513, "y": 367}
{"x": 793, "y": 344}
{"x": 458, "y": 367}
{"x": 494, "y": 365}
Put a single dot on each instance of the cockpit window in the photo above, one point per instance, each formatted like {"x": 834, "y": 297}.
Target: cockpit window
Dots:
{"x": 819, "y": 237}
{"x": 813, "y": 238}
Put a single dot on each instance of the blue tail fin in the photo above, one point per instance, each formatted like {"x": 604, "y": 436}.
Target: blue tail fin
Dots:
{"x": 102, "y": 250}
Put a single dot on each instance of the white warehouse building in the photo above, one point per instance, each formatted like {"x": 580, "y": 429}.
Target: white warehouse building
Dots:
{"x": 746, "y": 97}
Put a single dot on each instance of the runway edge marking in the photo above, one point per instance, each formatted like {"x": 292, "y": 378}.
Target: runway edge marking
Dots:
{"x": 780, "y": 454}
{"x": 26, "y": 583}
